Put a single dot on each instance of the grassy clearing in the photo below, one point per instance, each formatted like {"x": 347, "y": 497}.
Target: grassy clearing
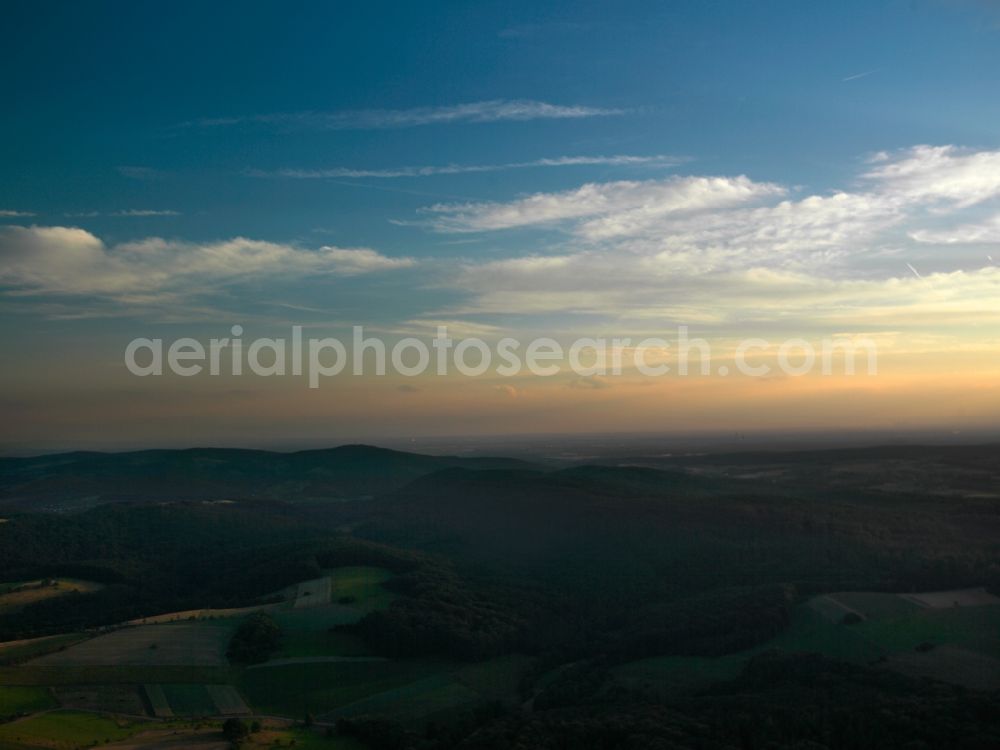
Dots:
{"x": 876, "y": 605}
{"x": 972, "y": 628}
{"x": 811, "y": 631}
{"x": 315, "y": 618}
{"x": 967, "y": 641}
{"x": 16, "y": 700}
{"x": 307, "y": 632}
{"x": 313, "y": 593}
{"x": 295, "y": 689}
{"x": 829, "y": 609}
{"x": 353, "y": 592}
{"x": 363, "y": 585}
{"x": 67, "y": 730}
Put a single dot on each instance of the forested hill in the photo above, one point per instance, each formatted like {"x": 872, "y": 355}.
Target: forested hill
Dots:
{"x": 83, "y": 479}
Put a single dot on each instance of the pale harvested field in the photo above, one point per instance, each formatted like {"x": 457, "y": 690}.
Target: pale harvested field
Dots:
{"x": 115, "y": 699}
{"x": 833, "y": 609}
{"x": 207, "y": 738}
{"x": 314, "y": 593}
{"x": 950, "y": 664}
{"x": 36, "y": 591}
{"x": 228, "y": 700}
{"x": 957, "y": 598}
{"x": 197, "y": 614}
{"x": 187, "y": 644}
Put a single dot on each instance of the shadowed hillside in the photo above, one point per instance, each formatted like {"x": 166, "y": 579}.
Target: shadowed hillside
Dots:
{"x": 76, "y": 480}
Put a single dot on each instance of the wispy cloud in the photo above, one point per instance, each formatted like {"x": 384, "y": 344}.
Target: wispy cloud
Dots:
{"x": 985, "y": 232}
{"x": 858, "y": 76}
{"x": 947, "y": 174}
{"x": 659, "y": 160}
{"x": 730, "y": 251}
{"x": 609, "y": 207}
{"x": 125, "y": 213}
{"x": 145, "y": 212}
{"x": 494, "y": 110}
{"x": 72, "y": 261}
{"x": 7, "y": 213}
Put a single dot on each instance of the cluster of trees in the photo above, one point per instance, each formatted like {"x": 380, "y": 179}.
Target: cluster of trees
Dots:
{"x": 780, "y": 702}
{"x": 440, "y": 613}
{"x": 169, "y": 557}
{"x": 255, "y": 640}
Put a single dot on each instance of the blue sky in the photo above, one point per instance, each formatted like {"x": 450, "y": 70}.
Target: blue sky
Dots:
{"x": 506, "y": 167}
{"x": 738, "y": 88}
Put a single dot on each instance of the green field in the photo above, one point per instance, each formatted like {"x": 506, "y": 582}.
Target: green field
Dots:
{"x": 306, "y": 631}
{"x": 894, "y": 626}
{"x": 66, "y": 730}
{"x": 973, "y": 628}
{"x": 415, "y": 700}
{"x": 811, "y": 631}
{"x": 31, "y": 675}
{"x": 876, "y": 605}
{"x": 295, "y": 689}
{"x": 302, "y": 739}
{"x": 189, "y": 700}
{"x": 16, "y": 700}
{"x": 364, "y": 585}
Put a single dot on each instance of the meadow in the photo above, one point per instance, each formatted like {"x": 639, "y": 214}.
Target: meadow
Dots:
{"x": 67, "y": 730}
{"x": 16, "y": 700}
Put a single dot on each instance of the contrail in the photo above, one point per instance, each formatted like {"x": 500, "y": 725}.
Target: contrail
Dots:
{"x": 856, "y": 76}
{"x": 915, "y": 271}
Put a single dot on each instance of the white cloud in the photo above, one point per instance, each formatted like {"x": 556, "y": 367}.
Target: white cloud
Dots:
{"x": 938, "y": 173}
{"x": 691, "y": 249}
{"x": 66, "y": 260}
{"x": 494, "y": 110}
{"x": 629, "y": 289}
{"x": 983, "y": 232}
{"x": 612, "y": 206}
{"x": 446, "y": 169}
{"x": 7, "y": 213}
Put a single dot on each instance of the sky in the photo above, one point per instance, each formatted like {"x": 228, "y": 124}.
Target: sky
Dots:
{"x": 767, "y": 170}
